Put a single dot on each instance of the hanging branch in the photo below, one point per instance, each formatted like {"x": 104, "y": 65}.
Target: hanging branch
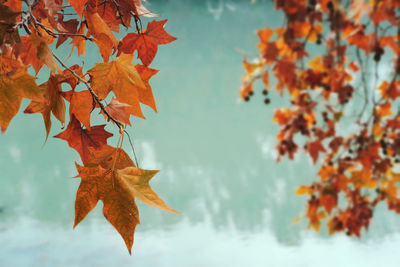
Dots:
{"x": 95, "y": 97}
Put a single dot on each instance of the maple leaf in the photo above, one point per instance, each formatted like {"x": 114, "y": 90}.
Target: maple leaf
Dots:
{"x": 146, "y": 42}
{"x": 271, "y": 51}
{"x": 362, "y": 178}
{"x": 15, "y": 5}
{"x": 136, "y": 182}
{"x": 146, "y": 96}
{"x": 67, "y": 27}
{"x": 374, "y": 145}
{"x": 328, "y": 199}
{"x": 336, "y": 143}
{"x": 34, "y": 50}
{"x": 52, "y": 102}
{"x": 384, "y": 110}
{"x": 15, "y": 84}
{"x": 391, "y": 41}
{"x": 105, "y": 158}
{"x": 314, "y": 148}
{"x": 110, "y": 176}
{"x": 123, "y": 79}
{"x": 353, "y": 66}
{"x": 390, "y": 90}
{"x": 79, "y": 43}
{"x": 265, "y": 35}
{"x": 78, "y": 5}
{"x": 117, "y": 110}
{"x": 283, "y": 116}
{"x": 28, "y": 37}
{"x": 304, "y": 190}
{"x": 105, "y": 39}
{"x": 364, "y": 41}
{"x": 119, "y": 206}
{"x": 285, "y": 70}
{"x": 81, "y": 139}
{"x": 40, "y": 43}
{"x": 81, "y": 106}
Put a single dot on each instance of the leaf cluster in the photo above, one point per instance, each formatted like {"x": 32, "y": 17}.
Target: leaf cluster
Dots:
{"x": 30, "y": 33}
{"x": 327, "y": 58}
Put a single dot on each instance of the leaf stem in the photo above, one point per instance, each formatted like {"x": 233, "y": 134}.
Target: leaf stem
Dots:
{"x": 119, "y": 144}
{"x": 133, "y": 148}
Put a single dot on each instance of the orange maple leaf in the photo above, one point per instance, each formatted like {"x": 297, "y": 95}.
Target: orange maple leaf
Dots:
{"x": 15, "y": 84}
{"x": 146, "y": 42}
{"x": 146, "y": 96}
{"x": 102, "y": 33}
{"x": 123, "y": 79}
{"x": 119, "y": 206}
{"x": 81, "y": 106}
{"x": 78, "y": 5}
{"x": 110, "y": 176}
{"x": 52, "y": 102}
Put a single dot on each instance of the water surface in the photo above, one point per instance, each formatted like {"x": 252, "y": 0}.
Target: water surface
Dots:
{"x": 217, "y": 162}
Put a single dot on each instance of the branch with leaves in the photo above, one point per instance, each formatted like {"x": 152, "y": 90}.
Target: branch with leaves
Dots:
{"x": 337, "y": 89}
{"x": 30, "y": 33}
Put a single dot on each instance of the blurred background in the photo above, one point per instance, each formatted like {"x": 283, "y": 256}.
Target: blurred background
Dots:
{"x": 217, "y": 161}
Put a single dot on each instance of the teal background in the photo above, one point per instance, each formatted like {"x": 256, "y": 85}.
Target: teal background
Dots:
{"x": 217, "y": 160}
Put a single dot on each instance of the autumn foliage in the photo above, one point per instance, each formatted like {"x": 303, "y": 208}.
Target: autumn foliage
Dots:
{"x": 30, "y": 33}
{"x": 338, "y": 63}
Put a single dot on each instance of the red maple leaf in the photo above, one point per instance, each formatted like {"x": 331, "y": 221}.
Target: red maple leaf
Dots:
{"x": 146, "y": 42}
{"x": 81, "y": 139}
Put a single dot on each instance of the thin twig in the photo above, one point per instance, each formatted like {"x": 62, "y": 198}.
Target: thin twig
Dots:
{"x": 23, "y": 22}
{"x": 56, "y": 34}
{"x": 138, "y": 23}
{"x": 118, "y": 7}
{"x": 364, "y": 83}
{"x": 37, "y": 24}
{"x": 133, "y": 148}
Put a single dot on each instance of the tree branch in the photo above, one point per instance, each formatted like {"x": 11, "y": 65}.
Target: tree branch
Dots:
{"x": 38, "y": 25}
{"x": 86, "y": 83}
{"x": 118, "y": 7}
{"x": 56, "y": 34}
